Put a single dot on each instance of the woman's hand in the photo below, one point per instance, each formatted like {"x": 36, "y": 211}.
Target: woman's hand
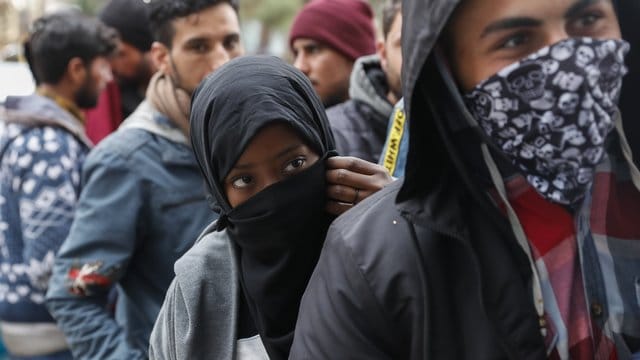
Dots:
{"x": 351, "y": 180}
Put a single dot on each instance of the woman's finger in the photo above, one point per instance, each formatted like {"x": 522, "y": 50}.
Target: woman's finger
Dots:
{"x": 347, "y": 194}
{"x": 355, "y": 180}
{"x": 352, "y": 164}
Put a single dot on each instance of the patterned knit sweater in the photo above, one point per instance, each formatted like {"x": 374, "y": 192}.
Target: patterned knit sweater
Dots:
{"x": 39, "y": 185}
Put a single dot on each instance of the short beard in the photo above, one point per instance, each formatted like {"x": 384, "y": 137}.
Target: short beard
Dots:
{"x": 86, "y": 97}
{"x": 140, "y": 79}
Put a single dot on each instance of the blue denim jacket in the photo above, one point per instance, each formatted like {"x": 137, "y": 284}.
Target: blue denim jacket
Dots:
{"x": 141, "y": 207}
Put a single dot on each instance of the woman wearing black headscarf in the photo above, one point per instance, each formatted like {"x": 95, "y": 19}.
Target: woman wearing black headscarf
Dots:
{"x": 263, "y": 143}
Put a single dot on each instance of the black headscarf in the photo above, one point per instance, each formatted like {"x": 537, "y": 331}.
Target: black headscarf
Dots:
{"x": 279, "y": 232}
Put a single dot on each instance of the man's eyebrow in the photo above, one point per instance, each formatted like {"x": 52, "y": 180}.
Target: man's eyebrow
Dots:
{"x": 510, "y": 23}
{"x": 233, "y": 35}
{"x": 197, "y": 40}
{"x": 578, "y": 6}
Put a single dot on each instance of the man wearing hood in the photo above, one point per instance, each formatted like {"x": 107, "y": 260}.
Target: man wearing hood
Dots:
{"x": 514, "y": 233}
{"x": 359, "y": 124}
{"x": 143, "y": 202}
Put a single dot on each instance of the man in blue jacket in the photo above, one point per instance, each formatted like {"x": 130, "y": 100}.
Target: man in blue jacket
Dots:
{"x": 143, "y": 201}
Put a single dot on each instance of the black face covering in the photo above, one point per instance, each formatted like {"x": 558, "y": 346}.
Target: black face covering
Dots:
{"x": 279, "y": 232}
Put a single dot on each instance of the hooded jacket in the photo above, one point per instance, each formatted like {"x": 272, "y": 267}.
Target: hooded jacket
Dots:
{"x": 628, "y": 12}
{"x": 428, "y": 268}
{"x": 359, "y": 124}
{"x": 42, "y": 150}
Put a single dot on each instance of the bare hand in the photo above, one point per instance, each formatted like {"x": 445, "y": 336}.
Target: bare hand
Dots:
{"x": 351, "y": 180}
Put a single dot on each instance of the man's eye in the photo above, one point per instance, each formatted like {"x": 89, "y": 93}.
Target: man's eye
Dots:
{"x": 294, "y": 165}
{"x": 231, "y": 44}
{"x": 200, "y": 48}
{"x": 588, "y": 19}
{"x": 242, "y": 182}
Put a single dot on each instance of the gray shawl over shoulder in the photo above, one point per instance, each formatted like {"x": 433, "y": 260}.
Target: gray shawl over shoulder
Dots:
{"x": 189, "y": 326}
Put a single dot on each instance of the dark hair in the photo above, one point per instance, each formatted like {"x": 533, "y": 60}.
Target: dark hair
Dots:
{"x": 389, "y": 11}
{"x": 57, "y": 38}
{"x": 163, "y": 12}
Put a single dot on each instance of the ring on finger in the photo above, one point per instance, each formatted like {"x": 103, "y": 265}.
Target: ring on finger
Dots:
{"x": 355, "y": 199}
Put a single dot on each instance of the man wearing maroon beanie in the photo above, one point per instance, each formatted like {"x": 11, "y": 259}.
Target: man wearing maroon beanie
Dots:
{"x": 326, "y": 38}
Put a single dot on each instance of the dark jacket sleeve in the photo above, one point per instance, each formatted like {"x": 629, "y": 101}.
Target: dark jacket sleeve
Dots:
{"x": 340, "y": 317}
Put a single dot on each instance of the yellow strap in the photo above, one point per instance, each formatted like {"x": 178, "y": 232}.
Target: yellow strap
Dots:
{"x": 393, "y": 142}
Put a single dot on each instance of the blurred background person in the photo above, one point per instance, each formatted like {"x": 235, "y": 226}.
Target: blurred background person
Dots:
{"x": 359, "y": 124}
{"x": 326, "y": 37}
{"x": 131, "y": 64}
{"x": 42, "y": 149}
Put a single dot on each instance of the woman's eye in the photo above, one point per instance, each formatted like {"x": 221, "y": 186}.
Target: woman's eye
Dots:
{"x": 294, "y": 165}
{"x": 514, "y": 41}
{"x": 242, "y": 182}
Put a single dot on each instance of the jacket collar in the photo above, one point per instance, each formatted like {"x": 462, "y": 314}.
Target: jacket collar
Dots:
{"x": 148, "y": 118}
{"x": 364, "y": 89}
{"x": 39, "y": 110}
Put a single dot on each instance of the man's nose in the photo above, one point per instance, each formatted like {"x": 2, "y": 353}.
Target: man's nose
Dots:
{"x": 219, "y": 57}
{"x": 301, "y": 63}
{"x": 270, "y": 180}
{"x": 556, "y": 35}
{"x": 106, "y": 74}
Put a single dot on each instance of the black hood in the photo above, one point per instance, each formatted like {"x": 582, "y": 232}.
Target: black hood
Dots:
{"x": 628, "y": 14}
{"x": 428, "y": 102}
{"x": 435, "y": 112}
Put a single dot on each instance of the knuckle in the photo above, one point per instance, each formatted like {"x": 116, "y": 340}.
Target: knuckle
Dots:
{"x": 342, "y": 174}
{"x": 352, "y": 163}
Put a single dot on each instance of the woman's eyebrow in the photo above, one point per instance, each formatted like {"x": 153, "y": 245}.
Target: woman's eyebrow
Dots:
{"x": 288, "y": 150}
{"x": 279, "y": 155}
{"x": 510, "y": 23}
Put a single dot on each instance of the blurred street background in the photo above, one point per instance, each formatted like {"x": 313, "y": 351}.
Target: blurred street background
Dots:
{"x": 265, "y": 25}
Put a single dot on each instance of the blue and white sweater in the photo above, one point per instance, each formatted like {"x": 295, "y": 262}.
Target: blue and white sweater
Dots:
{"x": 42, "y": 148}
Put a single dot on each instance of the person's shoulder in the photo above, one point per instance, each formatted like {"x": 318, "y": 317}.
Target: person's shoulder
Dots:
{"x": 124, "y": 143}
{"x": 340, "y": 113}
{"x": 374, "y": 226}
{"x": 212, "y": 250}
{"x": 43, "y": 142}
{"x": 351, "y": 116}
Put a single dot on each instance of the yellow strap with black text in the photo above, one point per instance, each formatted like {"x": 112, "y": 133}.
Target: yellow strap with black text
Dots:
{"x": 392, "y": 147}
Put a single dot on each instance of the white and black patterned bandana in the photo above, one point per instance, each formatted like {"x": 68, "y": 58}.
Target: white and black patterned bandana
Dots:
{"x": 551, "y": 112}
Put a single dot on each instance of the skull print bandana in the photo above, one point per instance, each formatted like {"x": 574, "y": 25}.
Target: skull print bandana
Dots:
{"x": 551, "y": 112}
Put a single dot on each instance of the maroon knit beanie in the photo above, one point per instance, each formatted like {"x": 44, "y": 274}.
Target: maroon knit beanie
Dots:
{"x": 344, "y": 25}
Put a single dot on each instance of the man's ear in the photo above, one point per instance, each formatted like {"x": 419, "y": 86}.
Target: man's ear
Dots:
{"x": 381, "y": 50}
{"x": 77, "y": 71}
{"x": 160, "y": 57}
